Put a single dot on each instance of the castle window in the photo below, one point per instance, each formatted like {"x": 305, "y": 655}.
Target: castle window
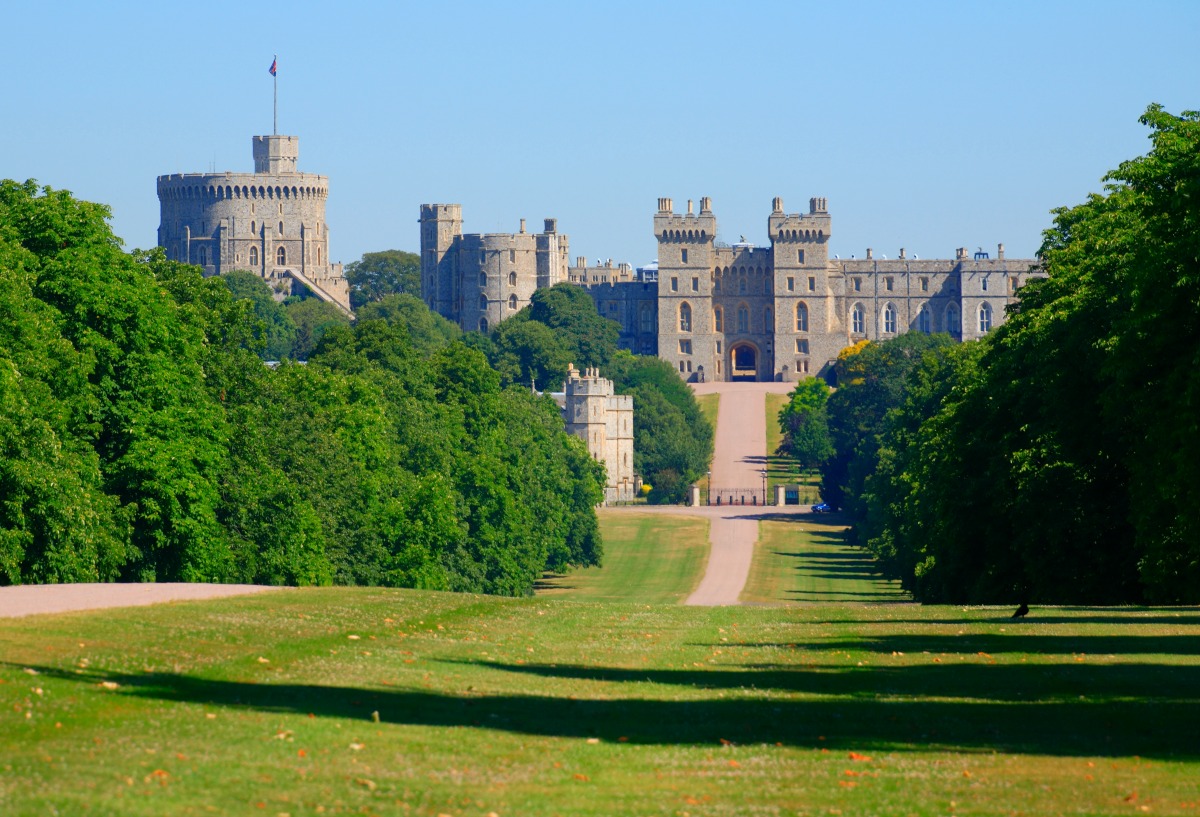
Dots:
{"x": 203, "y": 257}
{"x": 254, "y": 256}
{"x": 1014, "y": 283}
{"x": 718, "y": 350}
{"x": 983, "y": 283}
{"x": 812, "y": 284}
{"x": 800, "y": 256}
{"x": 483, "y": 303}
{"x": 985, "y": 318}
{"x": 801, "y": 317}
{"x": 719, "y": 319}
{"x": 923, "y": 322}
{"x": 483, "y": 325}
{"x": 888, "y": 282}
{"x": 674, "y": 284}
{"x": 802, "y": 346}
{"x": 281, "y": 228}
{"x": 647, "y": 318}
{"x": 512, "y": 302}
{"x": 791, "y": 284}
{"x": 952, "y": 324}
{"x": 924, "y": 284}
{"x": 683, "y": 256}
{"x": 512, "y": 256}
{"x": 685, "y": 318}
{"x": 889, "y": 319}
{"x": 482, "y": 280}
{"x": 742, "y": 286}
{"x": 253, "y": 228}
{"x": 858, "y": 322}
{"x": 802, "y": 366}
{"x": 318, "y": 256}
{"x": 482, "y": 257}
{"x": 858, "y": 285}
{"x": 685, "y": 347}
{"x": 695, "y": 285}
{"x": 743, "y": 319}
{"x": 681, "y": 367}
{"x": 280, "y": 257}
{"x": 512, "y": 279}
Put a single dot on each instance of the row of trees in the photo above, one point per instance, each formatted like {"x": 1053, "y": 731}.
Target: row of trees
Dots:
{"x": 1058, "y": 459}
{"x": 142, "y": 438}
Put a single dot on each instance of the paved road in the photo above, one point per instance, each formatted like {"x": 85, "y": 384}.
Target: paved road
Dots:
{"x": 32, "y": 599}
{"x": 739, "y": 456}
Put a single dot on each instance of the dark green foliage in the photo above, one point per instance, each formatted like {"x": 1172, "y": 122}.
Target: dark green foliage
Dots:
{"x": 379, "y": 274}
{"x": 426, "y": 329}
{"x": 277, "y": 331}
{"x": 672, "y": 440}
{"x": 804, "y": 423}
{"x": 311, "y": 317}
{"x": 589, "y": 338}
{"x": 142, "y": 438}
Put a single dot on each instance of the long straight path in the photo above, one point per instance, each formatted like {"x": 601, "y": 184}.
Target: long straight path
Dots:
{"x": 739, "y": 457}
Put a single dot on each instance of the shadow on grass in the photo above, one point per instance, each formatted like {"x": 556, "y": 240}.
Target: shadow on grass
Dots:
{"x": 1000, "y": 643}
{"x": 1122, "y": 710}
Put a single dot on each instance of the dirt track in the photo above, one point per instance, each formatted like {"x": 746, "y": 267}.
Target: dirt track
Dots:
{"x": 33, "y": 599}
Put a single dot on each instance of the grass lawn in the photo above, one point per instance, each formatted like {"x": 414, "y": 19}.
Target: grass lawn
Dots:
{"x": 806, "y": 558}
{"x": 362, "y": 701}
{"x": 709, "y": 404}
{"x": 649, "y": 557}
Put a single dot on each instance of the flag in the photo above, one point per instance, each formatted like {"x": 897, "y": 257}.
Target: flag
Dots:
{"x": 273, "y": 66}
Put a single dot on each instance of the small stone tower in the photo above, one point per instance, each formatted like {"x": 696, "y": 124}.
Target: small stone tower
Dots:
{"x": 604, "y": 421}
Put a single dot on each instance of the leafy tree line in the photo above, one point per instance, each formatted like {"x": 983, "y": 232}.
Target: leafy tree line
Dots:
{"x": 1058, "y": 459}
{"x": 142, "y": 438}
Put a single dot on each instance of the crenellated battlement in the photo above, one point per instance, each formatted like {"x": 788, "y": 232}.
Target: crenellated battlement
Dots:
{"x": 687, "y": 227}
{"x": 815, "y": 225}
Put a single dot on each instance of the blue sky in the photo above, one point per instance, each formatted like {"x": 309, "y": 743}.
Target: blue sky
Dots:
{"x": 927, "y": 125}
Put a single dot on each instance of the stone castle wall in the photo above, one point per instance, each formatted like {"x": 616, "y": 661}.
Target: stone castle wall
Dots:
{"x": 603, "y": 420}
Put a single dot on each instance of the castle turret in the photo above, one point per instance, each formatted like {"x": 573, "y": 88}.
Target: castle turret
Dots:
{"x": 686, "y": 263}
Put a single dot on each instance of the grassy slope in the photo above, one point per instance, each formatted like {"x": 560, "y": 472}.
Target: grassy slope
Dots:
{"x": 263, "y": 705}
{"x": 648, "y": 557}
{"x": 709, "y": 405}
{"x": 805, "y": 558}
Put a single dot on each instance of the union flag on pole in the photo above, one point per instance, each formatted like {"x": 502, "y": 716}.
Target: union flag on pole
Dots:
{"x": 273, "y": 66}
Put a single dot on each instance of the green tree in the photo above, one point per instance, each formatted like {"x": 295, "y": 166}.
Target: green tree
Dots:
{"x": 311, "y": 318}
{"x": 569, "y": 310}
{"x": 278, "y": 331}
{"x": 379, "y": 274}
{"x": 426, "y": 330}
{"x": 804, "y": 424}
{"x": 528, "y": 352}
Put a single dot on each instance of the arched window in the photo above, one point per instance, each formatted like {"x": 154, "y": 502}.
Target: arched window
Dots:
{"x": 685, "y": 318}
{"x": 923, "y": 322}
{"x": 858, "y": 323}
{"x": 203, "y": 256}
{"x": 743, "y": 319}
{"x": 512, "y": 279}
{"x": 318, "y": 256}
{"x": 482, "y": 280}
{"x": 512, "y": 302}
{"x": 483, "y": 303}
{"x": 253, "y": 228}
{"x": 952, "y": 320}
{"x": 801, "y": 317}
{"x": 889, "y": 319}
{"x": 985, "y": 318}
{"x": 483, "y": 325}
{"x": 647, "y": 318}
{"x": 280, "y": 257}
{"x": 719, "y": 319}
{"x": 254, "y": 256}
{"x": 281, "y": 228}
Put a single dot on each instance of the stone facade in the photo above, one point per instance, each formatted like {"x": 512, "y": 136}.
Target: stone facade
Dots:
{"x": 478, "y": 280}
{"x": 603, "y": 420}
{"x": 624, "y": 295}
{"x": 271, "y": 222}
{"x": 785, "y": 311}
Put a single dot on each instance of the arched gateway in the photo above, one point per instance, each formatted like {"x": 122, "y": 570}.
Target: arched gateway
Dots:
{"x": 743, "y": 362}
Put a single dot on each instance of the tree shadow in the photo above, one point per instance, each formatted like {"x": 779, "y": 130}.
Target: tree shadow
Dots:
{"x": 1150, "y": 711}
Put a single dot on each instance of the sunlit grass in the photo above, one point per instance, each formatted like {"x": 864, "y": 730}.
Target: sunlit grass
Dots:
{"x": 267, "y": 705}
{"x": 649, "y": 557}
{"x": 806, "y": 559}
{"x": 785, "y": 470}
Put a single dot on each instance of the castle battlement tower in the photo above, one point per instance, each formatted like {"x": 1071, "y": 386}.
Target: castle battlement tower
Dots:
{"x": 271, "y": 222}
{"x": 603, "y": 420}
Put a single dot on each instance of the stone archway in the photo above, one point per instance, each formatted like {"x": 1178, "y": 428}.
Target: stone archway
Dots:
{"x": 743, "y": 362}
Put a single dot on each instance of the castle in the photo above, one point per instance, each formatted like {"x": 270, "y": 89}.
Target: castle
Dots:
{"x": 271, "y": 222}
{"x": 728, "y": 312}
{"x": 603, "y": 420}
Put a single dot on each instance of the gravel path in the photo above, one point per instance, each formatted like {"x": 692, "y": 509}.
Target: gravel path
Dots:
{"x": 739, "y": 455}
{"x": 33, "y": 599}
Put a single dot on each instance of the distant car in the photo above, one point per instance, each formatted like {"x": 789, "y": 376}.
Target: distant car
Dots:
{"x": 823, "y": 507}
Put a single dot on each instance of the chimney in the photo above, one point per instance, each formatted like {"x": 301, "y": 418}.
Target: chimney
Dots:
{"x": 664, "y": 205}
{"x": 870, "y": 255}
{"x": 777, "y": 204}
{"x": 522, "y": 226}
{"x": 901, "y": 252}
{"x": 705, "y": 205}
{"x": 1000, "y": 251}
{"x": 689, "y": 207}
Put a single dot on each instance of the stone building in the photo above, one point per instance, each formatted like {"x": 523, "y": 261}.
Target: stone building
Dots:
{"x": 625, "y": 295}
{"x": 785, "y": 311}
{"x": 603, "y": 420}
{"x": 478, "y": 280}
{"x": 271, "y": 222}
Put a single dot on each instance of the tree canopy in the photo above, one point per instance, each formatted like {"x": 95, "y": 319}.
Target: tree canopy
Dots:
{"x": 379, "y": 274}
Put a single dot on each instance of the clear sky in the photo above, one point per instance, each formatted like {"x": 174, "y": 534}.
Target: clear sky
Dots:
{"x": 927, "y": 125}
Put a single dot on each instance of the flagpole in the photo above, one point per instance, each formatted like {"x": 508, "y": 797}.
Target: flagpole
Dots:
{"x": 275, "y": 101}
